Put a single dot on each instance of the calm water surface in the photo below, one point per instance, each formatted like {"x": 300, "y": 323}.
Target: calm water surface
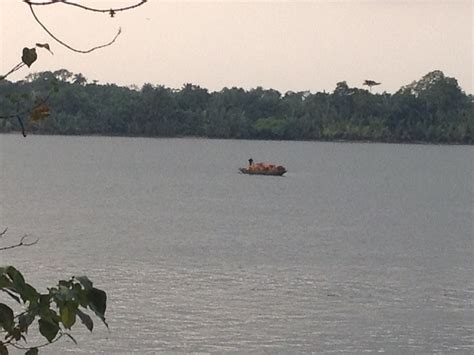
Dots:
{"x": 360, "y": 247}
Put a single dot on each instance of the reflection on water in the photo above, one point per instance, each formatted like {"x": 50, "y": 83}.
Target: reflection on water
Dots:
{"x": 360, "y": 247}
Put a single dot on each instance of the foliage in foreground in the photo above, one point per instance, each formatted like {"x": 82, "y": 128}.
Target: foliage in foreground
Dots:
{"x": 56, "y": 311}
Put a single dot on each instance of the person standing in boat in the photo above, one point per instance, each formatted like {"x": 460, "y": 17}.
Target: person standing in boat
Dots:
{"x": 251, "y": 165}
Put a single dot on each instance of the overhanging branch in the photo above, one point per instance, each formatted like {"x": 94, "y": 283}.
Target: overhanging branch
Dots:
{"x": 67, "y": 45}
{"x": 21, "y": 243}
{"x": 66, "y": 2}
{"x": 111, "y": 12}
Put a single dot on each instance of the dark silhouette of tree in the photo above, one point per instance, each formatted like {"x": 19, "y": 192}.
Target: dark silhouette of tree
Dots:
{"x": 432, "y": 109}
{"x": 370, "y": 83}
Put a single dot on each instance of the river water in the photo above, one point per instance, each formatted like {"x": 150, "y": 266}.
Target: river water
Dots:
{"x": 359, "y": 247}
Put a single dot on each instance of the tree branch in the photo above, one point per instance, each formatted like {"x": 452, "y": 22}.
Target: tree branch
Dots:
{"x": 20, "y": 121}
{"x": 111, "y": 11}
{"x": 20, "y": 244}
{"x": 20, "y": 347}
{"x": 66, "y": 2}
{"x": 14, "y": 69}
{"x": 65, "y": 44}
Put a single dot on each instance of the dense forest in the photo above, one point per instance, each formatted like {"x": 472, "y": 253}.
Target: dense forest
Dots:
{"x": 433, "y": 109}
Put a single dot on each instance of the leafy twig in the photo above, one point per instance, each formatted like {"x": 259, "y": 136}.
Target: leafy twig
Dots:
{"x": 14, "y": 69}
{"x": 29, "y": 56}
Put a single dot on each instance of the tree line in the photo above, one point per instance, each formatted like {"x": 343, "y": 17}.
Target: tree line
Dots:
{"x": 433, "y": 109}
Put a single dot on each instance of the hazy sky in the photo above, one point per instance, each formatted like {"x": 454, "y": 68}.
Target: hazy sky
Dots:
{"x": 285, "y": 45}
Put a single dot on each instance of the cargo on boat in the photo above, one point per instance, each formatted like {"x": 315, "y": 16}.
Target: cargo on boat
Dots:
{"x": 263, "y": 169}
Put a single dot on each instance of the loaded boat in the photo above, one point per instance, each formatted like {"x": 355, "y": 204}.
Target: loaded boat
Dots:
{"x": 263, "y": 169}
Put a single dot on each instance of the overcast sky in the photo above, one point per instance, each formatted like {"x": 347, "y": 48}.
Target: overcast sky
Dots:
{"x": 285, "y": 45}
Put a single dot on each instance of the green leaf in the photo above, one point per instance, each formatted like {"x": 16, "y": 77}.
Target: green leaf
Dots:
{"x": 77, "y": 289}
{"x": 26, "y": 291}
{"x": 4, "y": 281}
{"x": 16, "y": 276}
{"x": 86, "y": 320}
{"x": 85, "y": 282}
{"x": 64, "y": 283}
{"x": 32, "y": 351}
{"x": 98, "y": 303}
{"x": 44, "y": 303}
{"x": 3, "y": 349}
{"x": 97, "y": 300}
{"x": 29, "y": 293}
{"x": 83, "y": 297}
{"x": 59, "y": 295}
{"x": 12, "y": 295}
{"x": 29, "y": 56}
{"x": 25, "y": 321}
{"x": 6, "y": 317}
{"x": 68, "y": 316}
{"x": 16, "y": 333}
{"x": 48, "y": 329}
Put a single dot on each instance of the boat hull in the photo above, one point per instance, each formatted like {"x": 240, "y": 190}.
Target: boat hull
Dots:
{"x": 273, "y": 172}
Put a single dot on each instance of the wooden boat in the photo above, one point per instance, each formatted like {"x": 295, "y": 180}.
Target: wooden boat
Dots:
{"x": 263, "y": 169}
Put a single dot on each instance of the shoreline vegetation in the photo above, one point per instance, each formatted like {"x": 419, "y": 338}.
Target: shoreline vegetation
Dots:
{"x": 432, "y": 110}
{"x": 346, "y": 141}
